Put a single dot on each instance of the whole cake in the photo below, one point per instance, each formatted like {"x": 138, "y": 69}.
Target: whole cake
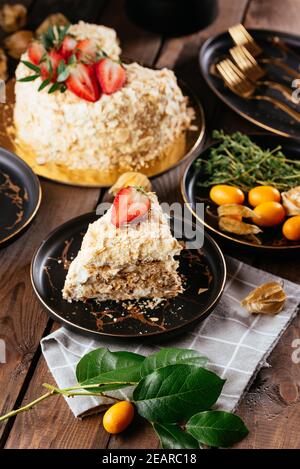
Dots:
{"x": 78, "y": 106}
{"x": 126, "y": 254}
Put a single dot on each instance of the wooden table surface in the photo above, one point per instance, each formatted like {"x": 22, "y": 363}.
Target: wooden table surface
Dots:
{"x": 271, "y": 409}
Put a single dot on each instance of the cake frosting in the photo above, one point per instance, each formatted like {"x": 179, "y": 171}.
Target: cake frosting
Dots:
{"x": 129, "y": 262}
{"x": 127, "y": 129}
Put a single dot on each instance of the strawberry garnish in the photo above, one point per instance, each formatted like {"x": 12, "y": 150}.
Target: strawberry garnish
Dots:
{"x": 36, "y": 52}
{"x": 86, "y": 51}
{"x": 50, "y": 64}
{"x": 83, "y": 83}
{"x": 68, "y": 46}
{"x": 111, "y": 75}
{"x": 130, "y": 204}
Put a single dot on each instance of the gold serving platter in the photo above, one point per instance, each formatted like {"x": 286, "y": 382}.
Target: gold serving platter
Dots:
{"x": 186, "y": 146}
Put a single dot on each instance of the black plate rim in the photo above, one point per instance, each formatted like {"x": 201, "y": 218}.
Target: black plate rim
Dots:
{"x": 187, "y": 201}
{"x": 75, "y": 327}
{"x": 206, "y": 45}
{"x": 11, "y": 155}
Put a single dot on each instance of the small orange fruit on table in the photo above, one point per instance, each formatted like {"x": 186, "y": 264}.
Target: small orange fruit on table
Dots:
{"x": 260, "y": 194}
{"x": 291, "y": 228}
{"x": 118, "y": 417}
{"x": 222, "y": 194}
{"x": 269, "y": 214}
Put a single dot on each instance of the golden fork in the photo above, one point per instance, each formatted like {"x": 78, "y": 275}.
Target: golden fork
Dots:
{"x": 239, "y": 84}
{"x": 250, "y": 67}
{"x": 241, "y": 37}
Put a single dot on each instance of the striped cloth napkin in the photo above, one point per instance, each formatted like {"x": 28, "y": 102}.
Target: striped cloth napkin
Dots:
{"x": 236, "y": 342}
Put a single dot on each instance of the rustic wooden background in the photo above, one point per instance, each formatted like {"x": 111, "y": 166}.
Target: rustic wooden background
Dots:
{"x": 271, "y": 408}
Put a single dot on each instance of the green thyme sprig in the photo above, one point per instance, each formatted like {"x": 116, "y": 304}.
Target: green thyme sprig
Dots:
{"x": 38, "y": 74}
{"x": 238, "y": 161}
{"x": 54, "y": 36}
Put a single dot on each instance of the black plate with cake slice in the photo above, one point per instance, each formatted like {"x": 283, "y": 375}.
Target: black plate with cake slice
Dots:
{"x": 20, "y": 195}
{"x": 202, "y": 270}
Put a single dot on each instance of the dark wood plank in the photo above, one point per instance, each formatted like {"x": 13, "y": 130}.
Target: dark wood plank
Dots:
{"x": 271, "y": 408}
{"x": 22, "y": 318}
{"x": 181, "y": 54}
{"x": 274, "y": 14}
{"x": 52, "y": 424}
{"x": 136, "y": 43}
{"x": 141, "y": 46}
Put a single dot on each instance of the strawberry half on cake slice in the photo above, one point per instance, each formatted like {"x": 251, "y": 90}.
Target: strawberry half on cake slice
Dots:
{"x": 128, "y": 253}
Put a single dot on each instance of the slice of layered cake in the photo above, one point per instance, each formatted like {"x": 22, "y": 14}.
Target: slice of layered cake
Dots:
{"x": 126, "y": 254}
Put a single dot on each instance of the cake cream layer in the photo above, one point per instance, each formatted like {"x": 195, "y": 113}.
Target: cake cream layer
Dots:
{"x": 143, "y": 280}
{"x": 127, "y": 129}
{"x": 108, "y": 252}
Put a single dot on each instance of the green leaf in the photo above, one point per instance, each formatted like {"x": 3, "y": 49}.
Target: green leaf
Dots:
{"x": 63, "y": 88}
{"x": 48, "y": 38}
{"x": 172, "y": 437}
{"x": 115, "y": 379}
{"x": 33, "y": 67}
{"x": 53, "y": 88}
{"x": 30, "y": 78}
{"x": 171, "y": 356}
{"x": 72, "y": 60}
{"x": 217, "y": 428}
{"x": 61, "y": 66}
{"x": 63, "y": 75}
{"x": 102, "y": 366}
{"x": 44, "y": 84}
{"x": 176, "y": 392}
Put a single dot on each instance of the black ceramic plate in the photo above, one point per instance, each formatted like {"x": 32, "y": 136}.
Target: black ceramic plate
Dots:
{"x": 20, "y": 195}
{"x": 272, "y": 238}
{"x": 203, "y": 271}
{"x": 260, "y": 113}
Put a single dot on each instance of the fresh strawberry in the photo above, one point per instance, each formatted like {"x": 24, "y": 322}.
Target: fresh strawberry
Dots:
{"x": 86, "y": 51}
{"x": 83, "y": 83}
{"x": 68, "y": 46}
{"x": 36, "y": 52}
{"x": 50, "y": 64}
{"x": 130, "y": 204}
{"x": 111, "y": 75}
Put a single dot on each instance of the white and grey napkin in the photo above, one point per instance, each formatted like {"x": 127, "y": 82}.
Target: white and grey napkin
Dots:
{"x": 236, "y": 342}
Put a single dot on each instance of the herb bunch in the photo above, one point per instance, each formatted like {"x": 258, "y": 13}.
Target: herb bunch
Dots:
{"x": 172, "y": 390}
{"x": 238, "y": 161}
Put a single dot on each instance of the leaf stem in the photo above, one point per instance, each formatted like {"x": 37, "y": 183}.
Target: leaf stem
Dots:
{"x": 91, "y": 386}
{"x": 67, "y": 392}
{"x": 26, "y": 407}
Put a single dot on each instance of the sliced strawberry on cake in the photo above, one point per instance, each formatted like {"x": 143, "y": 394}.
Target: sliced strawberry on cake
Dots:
{"x": 36, "y": 52}
{"x": 129, "y": 260}
{"x": 87, "y": 51}
{"x": 68, "y": 46}
{"x": 50, "y": 65}
{"x": 110, "y": 74}
{"x": 130, "y": 204}
{"x": 83, "y": 83}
